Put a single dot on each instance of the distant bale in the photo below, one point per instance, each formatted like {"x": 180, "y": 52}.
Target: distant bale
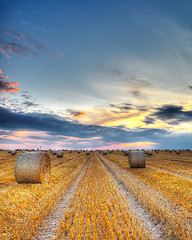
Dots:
{"x": 157, "y": 150}
{"x": 137, "y": 159}
{"x": 177, "y": 151}
{"x": 13, "y": 152}
{"x": 105, "y": 152}
{"x": 59, "y": 153}
{"x": 149, "y": 152}
{"x": 78, "y": 151}
{"x": 126, "y": 152}
{"x": 32, "y": 167}
{"x": 87, "y": 152}
{"x": 70, "y": 151}
{"x": 54, "y": 152}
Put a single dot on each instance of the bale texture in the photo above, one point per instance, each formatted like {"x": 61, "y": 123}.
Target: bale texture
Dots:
{"x": 59, "y": 153}
{"x": 32, "y": 167}
{"x": 137, "y": 159}
{"x": 87, "y": 152}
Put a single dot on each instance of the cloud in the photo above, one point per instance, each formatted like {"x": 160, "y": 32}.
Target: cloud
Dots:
{"x": 75, "y": 114}
{"x": 4, "y": 53}
{"x": 130, "y": 145}
{"x": 15, "y": 42}
{"x": 30, "y": 104}
{"x": 55, "y": 125}
{"x": 173, "y": 114}
{"x": 7, "y": 87}
{"x": 190, "y": 86}
{"x": 60, "y": 56}
{"x": 123, "y": 106}
{"x": 52, "y": 131}
{"x": 78, "y": 114}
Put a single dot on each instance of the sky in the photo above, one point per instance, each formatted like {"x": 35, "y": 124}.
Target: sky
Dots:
{"x": 95, "y": 74}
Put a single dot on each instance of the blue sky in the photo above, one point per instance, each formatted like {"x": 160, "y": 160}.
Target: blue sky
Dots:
{"x": 110, "y": 74}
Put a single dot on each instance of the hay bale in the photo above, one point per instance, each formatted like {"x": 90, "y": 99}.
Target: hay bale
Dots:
{"x": 70, "y": 151}
{"x": 78, "y": 151}
{"x": 149, "y": 152}
{"x": 32, "y": 167}
{"x": 177, "y": 151}
{"x": 126, "y": 152}
{"x": 157, "y": 150}
{"x": 87, "y": 152}
{"x": 13, "y": 152}
{"x": 54, "y": 152}
{"x": 137, "y": 159}
{"x": 105, "y": 152}
{"x": 59, "y": 153}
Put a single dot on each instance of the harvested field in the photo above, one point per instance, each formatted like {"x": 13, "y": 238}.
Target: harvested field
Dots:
{"x": 98, "y": 196}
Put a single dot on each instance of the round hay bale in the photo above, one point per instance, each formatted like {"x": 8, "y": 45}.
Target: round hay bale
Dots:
{"x": 78, "y": 151}
{"x": 157, "y": 150}
{"x": 13, "y": 152}
{"x": 149, "y": 152}
{"x": 126, "y": 152}
{"x": 32, "y": 167}
{"x": 54, "y": 152}
{"x": 137, "y": 159}
{"x": 177, "y": 151}
{"x": 87, "y": 153}
{"x": 70, "y": 151}
{"x": 105, "y": 152}
{"x": 59, "y": 153}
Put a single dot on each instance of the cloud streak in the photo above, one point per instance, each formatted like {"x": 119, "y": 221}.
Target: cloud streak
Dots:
{"x": 7, "y": 87}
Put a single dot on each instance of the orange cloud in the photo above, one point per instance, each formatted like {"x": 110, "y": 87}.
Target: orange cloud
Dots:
{"x": 9, "y": 84}
{"x": 16, "y": 83}
{"x": 11, "y": 90}
{"x": 78, "y": 114}
{"x": 0, "y": 71}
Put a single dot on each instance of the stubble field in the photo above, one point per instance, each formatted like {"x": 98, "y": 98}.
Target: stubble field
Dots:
{"x": 98, "y": 196}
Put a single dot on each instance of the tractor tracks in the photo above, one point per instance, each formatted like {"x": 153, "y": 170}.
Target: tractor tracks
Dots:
{"x": 137, "y": 210}
{"x": 47, "y": 229}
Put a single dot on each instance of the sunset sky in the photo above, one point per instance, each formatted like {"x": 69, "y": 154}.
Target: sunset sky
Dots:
{"x": 95, "y": 74}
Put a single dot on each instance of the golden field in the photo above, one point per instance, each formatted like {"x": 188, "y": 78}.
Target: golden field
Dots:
{"x": 111, "y": 200}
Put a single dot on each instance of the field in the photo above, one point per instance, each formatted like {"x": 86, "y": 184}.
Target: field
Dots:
{"x": 98, "y": 196}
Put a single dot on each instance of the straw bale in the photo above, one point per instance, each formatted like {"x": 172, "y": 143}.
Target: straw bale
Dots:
{"x": 32, "y": 167}
{"x": 54, "y": 152}
{"x": 59, "y": 153}
{"x": 149, "y": 152}
{"x": 105, "y": 152}
{"x": 137, "y": 159}
{"x": 13, "y": 152}
{"x": 177, "y": 151}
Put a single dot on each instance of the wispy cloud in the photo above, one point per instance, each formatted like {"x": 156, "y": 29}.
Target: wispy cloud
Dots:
{"x": 7, "y": 87}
